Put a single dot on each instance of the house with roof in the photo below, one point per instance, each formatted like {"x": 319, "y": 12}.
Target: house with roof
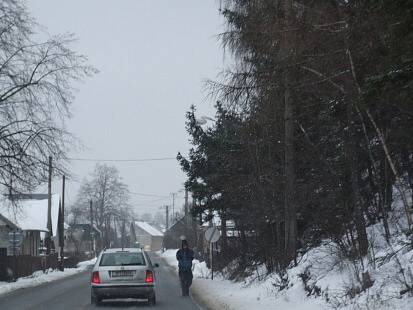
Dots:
{"x": 27, "y": 213}
{"x": 82, "y": 238}
{"x": 188, "y": 228}
{"x": 147, "y": 236}
{"x": 6, "y": 226}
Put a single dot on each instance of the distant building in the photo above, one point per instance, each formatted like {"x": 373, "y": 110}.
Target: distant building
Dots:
{"x": 6, "y": 226}
{"x": 82, "y": 239}
{"x": 148, "y": 236}
{"x": 187, "y": 227}
{"x": 190, "y": 228}
{"x": 28, "y": 214}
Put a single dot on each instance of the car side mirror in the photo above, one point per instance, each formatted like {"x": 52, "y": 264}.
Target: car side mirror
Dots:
{"x": 156, "y": 265}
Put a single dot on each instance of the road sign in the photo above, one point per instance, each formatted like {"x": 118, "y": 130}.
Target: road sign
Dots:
{"x": 212, "y": 234}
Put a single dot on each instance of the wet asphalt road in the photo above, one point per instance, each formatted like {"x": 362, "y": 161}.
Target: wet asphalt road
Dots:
{"x": 74, "y": 293}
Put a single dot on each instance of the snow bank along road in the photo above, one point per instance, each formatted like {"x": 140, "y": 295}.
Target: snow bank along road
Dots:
{"x": 74, "y": 293}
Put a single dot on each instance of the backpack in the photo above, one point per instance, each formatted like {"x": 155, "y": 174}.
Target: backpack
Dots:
{"x": 185, "y": 259}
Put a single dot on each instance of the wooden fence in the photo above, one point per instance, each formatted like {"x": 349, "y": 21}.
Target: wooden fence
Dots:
{"x": 13, "y": 267}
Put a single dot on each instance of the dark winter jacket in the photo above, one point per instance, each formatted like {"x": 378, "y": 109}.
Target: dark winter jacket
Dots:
{"x": 185, "y": 258}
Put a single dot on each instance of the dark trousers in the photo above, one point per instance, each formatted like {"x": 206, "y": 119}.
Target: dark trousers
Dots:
{"x": 185, "y": 278}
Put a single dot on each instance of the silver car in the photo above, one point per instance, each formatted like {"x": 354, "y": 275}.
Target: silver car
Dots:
{"x": 123, "y": 273}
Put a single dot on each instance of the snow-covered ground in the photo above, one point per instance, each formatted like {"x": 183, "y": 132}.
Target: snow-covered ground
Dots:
{"x": 224, "y": 294}
{"x": 39, "y": 277}
{"x": 323, "y": 278}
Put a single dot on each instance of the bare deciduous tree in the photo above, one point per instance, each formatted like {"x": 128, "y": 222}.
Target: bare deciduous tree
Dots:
{"x": 36, "y": 92}
{"x": 109, "y": 196}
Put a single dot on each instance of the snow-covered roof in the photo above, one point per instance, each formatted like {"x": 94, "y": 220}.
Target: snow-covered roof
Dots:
{"x": 31, "y": 214}
{"x": 148, "y": 228}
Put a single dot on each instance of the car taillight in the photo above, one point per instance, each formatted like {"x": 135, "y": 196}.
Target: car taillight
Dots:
{"x": 95, "y": 277}
{"x": 149, "y": 276}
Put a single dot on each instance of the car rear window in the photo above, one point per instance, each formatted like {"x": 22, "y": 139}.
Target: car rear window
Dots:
{"x": 122, "y": 259}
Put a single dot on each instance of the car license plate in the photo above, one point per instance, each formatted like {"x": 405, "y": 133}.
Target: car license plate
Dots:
{"x": 122, "y": 273}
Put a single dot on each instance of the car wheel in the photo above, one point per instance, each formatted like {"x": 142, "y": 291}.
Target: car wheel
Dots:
{"x": 152, "y": 300}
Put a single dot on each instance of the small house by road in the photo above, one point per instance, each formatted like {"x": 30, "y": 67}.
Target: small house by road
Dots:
{"x": 148, "y": 236}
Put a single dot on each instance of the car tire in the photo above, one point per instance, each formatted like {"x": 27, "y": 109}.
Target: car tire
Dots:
{"x": 152, "y": 300}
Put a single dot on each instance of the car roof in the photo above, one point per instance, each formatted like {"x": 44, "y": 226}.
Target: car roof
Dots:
{"x": 128, "y": 250}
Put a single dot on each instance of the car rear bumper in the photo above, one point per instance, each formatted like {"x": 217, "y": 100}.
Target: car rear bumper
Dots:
{"x": 123, "y": 291}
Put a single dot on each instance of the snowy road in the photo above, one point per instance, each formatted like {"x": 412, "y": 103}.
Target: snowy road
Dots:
{"x": 74, "y": 293}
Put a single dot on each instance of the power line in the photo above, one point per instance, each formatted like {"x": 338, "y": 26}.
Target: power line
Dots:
{"x": 148, "y": 195}
{"x": 122, "y": 160}
{"x": 149, "y": 203}
{"x": 163, "y": 197}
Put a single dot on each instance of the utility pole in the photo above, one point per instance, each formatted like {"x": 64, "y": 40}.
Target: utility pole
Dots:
{"x": 167, "y": 217}
{"x": 107, "y": 229}
{"x": 91, "y": 212}
{"x": 62, "y": 225}
{"x": 186, "y": 211}
{"x": 186, "y": 202}
{"x": 199, "y": 219}
{"x": 63, "y": 196}
{"x": 48, "y": 238}
{"x": 11, "y": 183}
{"x": 123, "y": 234}
{"x": 91, "y": 225}
{"x": 173, "y": 206}
{"x": 115, "y": 236}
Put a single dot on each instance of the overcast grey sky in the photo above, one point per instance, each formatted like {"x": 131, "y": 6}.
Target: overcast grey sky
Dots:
{"x": 153, "y": 56}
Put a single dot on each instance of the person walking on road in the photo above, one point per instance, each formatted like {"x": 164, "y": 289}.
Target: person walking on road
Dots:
{"x": 185, "y": 256}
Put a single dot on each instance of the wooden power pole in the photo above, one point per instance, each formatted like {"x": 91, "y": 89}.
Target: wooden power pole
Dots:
{"x": 186, "y": 211}
{"x": 49, "y": 234}
{"x": 167, "y": 217}
{"x": 63, "y": 197}
{"x": 91, "y": 227}
{"x": 91, "y": 212}
{"x": 173, "y": 206}
{"x": 61, "y": 226}
{"x": 186, "y": 202}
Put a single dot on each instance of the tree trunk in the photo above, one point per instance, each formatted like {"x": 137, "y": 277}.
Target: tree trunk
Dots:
{"x": 224, "y": 231}
{"x": 289, "y": 205}
{"x": 355, "y": 190}
{"x": 382, "y": 140}
{"x": 387, "y": 196}
{"x": 290, "y": 212}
